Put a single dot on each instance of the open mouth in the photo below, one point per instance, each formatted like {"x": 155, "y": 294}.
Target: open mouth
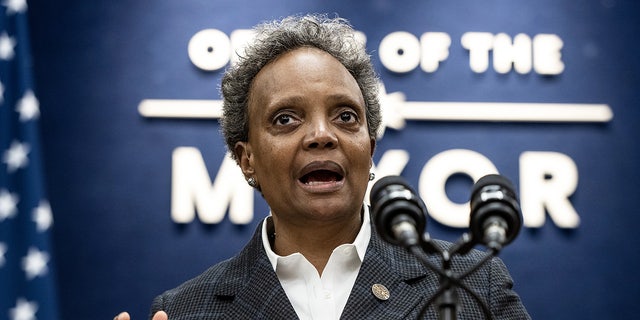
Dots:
{"x": 321, "y": 173}
{"x": 321, "y": 177}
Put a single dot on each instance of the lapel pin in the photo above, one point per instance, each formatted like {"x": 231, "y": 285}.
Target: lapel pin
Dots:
{"x": 380, "y": 291}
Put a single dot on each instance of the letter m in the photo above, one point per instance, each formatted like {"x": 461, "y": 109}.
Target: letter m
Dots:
{"x": 193, "y": 191}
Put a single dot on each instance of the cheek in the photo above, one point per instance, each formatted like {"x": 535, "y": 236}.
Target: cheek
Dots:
{"x": 361, "y": 153}
{"x": 272, "y": 156}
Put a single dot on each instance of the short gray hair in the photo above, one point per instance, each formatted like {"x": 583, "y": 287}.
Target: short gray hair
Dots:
{"x": 332, "y": 35}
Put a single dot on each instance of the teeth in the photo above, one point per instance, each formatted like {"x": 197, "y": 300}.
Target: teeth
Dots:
{"x": 317, "y": 183}
{"x": 320, "y": 177}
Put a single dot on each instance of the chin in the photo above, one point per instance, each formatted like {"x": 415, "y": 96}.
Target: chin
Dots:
{"x": 333, "y": 208}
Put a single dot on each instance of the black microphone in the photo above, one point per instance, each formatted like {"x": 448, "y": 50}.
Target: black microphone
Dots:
{"x": 398, "y": 213}
{"x": 495, "y": 218}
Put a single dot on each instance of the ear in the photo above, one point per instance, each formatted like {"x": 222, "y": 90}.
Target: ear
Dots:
{"x": 373, "y": 148}
{"x": 244, "y": 157}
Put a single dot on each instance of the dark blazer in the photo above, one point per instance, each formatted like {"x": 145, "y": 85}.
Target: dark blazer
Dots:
{"x": 246, "y": 287}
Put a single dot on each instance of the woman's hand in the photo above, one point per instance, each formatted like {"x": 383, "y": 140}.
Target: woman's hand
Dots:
{"x": 160, "y": 315}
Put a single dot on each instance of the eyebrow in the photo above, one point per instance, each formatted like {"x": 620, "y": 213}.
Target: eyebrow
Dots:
{"x": 338, "y": 97}
{"x": 332, "y": 98}
{"x": 287, "y": 101}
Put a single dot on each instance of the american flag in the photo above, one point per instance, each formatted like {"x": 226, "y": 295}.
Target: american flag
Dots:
{"x": 27, "y": 279}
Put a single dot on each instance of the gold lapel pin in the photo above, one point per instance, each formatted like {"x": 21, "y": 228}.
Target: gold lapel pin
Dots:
{"x": 380, "y": 291}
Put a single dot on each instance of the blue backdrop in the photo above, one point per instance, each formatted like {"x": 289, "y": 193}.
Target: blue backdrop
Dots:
{"x": 109, "y": 168}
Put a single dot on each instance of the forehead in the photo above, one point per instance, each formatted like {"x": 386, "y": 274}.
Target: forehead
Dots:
{"x": 303, "y": 71}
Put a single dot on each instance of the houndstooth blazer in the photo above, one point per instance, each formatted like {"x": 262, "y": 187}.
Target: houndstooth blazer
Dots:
{"x": 246, "y": 287}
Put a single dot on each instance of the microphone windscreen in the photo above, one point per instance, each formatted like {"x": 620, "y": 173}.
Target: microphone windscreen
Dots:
{"x": 492, "y": 179}
{"x": 383, "y": 183}
{"x": 494, "y": 197}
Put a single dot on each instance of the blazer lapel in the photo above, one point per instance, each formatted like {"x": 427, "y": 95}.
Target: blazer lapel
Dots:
{"x": 262, "y": 298}
{"x": 395, "y": 269}
{"x": 253, "y": 286}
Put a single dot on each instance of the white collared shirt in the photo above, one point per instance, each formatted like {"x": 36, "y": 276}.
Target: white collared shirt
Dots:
{"x": 320, "y": 297}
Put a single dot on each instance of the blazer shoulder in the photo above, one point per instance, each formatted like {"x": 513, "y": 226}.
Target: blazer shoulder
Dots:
{"x": 204, "y": 285}
{"x": 217, "y": 286}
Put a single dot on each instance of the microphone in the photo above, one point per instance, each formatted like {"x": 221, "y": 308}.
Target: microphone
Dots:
{"x": 495, "y": 218}
{"x": 398, "y": 213}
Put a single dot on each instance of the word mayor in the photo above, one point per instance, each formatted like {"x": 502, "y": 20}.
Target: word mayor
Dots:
{"x": 402, "y": 52}
{"x": 547, "y": 180}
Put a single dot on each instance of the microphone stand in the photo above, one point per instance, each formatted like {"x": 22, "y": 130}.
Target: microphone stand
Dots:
{"x": 446, "y": 295}
{"x": 448, "y": 300}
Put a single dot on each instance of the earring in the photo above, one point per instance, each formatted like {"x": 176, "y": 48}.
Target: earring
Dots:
{"x": 372, "y": 176}
{"x": 252, "y": 182}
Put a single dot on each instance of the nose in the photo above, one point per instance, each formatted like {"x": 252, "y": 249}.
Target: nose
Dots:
{"x": 320, "y": 135}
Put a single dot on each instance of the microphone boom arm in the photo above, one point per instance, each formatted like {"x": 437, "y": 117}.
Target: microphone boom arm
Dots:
{"x": 448, "y": 281}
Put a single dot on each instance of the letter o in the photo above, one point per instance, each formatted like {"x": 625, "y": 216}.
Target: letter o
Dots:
{"x": 400, "y": 52}
{"x": 433, "y": 179}
{"x": 210, "y": 49}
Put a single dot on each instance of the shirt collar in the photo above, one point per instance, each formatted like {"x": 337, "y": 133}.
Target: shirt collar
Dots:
{"x": 360, "y": 243}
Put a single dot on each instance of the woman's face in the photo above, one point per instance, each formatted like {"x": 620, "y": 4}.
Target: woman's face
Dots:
{"x": 309, "y": 148}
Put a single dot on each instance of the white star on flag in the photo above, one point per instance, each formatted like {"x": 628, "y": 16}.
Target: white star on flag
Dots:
{"x": 35, "y": 263}
{"x": 24, "y": 310}
{"x": 3, "y": 250}
{"x": 28, "y": 106}
{"x": 42, "y": 216}
{"x": 8, "y": 204}
{"x": 15, "y": 6}
{"x": 16, "y": 156}
{"x": 6, "y": 46}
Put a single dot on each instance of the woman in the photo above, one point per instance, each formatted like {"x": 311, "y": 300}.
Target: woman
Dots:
{"x": 300, "y": 117}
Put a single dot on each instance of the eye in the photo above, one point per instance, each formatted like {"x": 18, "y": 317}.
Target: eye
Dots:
{"x": 348, "y": 117}
{"x": 283, "y": 119}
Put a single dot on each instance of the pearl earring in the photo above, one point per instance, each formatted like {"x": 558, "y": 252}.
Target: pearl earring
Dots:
{"x": 372, "y": 176}
{"x": 252, "y": 182}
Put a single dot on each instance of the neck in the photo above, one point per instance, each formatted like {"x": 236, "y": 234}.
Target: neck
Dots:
{"x": 315, "y": 241}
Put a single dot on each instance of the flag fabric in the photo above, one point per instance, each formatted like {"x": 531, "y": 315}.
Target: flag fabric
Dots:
{"x": 27, "y": 280}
